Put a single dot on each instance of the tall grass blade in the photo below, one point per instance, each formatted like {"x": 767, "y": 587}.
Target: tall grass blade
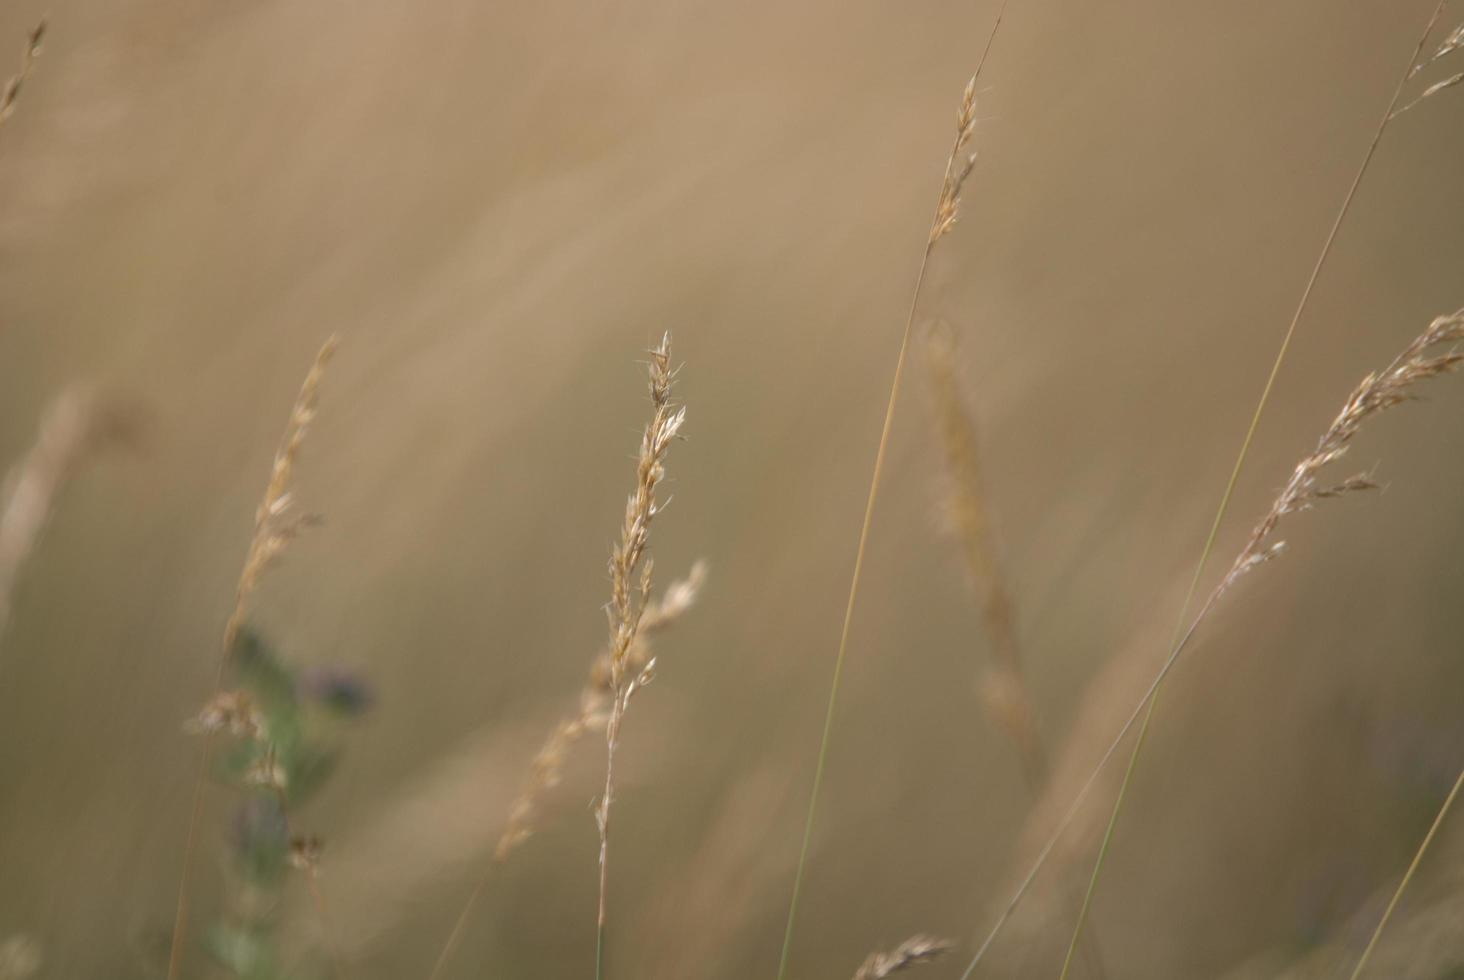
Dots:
{"x": 1235, "y": 471}
{"x": 958, "y": 168}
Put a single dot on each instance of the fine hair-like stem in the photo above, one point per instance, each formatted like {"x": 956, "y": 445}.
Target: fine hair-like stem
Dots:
{"x": 1377, "y": 392}
{"x": 1239, "y": 464}
{"x": 958, "y": 167}
{"x": 1408, "y": 875}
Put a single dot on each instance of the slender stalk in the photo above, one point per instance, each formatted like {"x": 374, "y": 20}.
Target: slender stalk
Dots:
{"x": 1378, "y": 392}
{"x": 956, "y": 172}
{"x": 1408, "y": 875}
{"x": 613, "y": 738}
{"x": 1240, "y": 459}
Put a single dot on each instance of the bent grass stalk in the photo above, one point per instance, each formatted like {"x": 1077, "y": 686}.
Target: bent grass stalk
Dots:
{"x": 1391, "y": 112}
{"x": 958, "y": 167}
{"x": 274, "y": 528}
{"x": 1377, "y": 393}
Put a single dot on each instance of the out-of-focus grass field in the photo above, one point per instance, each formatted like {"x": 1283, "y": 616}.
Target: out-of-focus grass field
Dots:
{"x": 499, "y": 208}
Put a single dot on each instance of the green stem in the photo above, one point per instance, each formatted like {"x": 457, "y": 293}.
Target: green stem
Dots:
{"x": 879, "y": 460}
{"x": 1408, "y": 875}
{"x": 1245, "y": 447}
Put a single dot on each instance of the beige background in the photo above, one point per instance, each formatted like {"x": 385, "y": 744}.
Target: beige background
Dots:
{"x": 497, "y": 207}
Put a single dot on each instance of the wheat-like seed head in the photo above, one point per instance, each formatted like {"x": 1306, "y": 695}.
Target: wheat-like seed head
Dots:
{"x": 547, "y": 769}
{"x": 1003, "y": 690}
{"x": 1376, "y": 393}
{"x": 958, "y": 165}
{"x": 275, "y": 525}
{"x": 630, "y": 568}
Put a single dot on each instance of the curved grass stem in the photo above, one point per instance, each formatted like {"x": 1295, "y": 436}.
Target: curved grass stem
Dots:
{"x": 945, "y": 211}
{"x": 1240, "y": 459}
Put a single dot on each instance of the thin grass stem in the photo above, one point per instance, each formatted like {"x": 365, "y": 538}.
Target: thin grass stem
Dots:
{"x": 1408, "y": 876}
{"x": 944, "y": 216}
{"x": 1240, "y": 459}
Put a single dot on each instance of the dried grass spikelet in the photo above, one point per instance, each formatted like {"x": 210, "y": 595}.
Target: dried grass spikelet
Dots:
{"x": 1451, "y": 43}
{"x": 1376, "y": 393}
{"x": 76, "y": 425}
{"x": 10, "y": 95}
{"x": 1004, "y": 689}
{"x": 547, "y": 769}
{"x": 275, "y": 523}
{"x": 958, "y": 166}
{"x": 626, "y": 665}
{"x": 630, "y": 580}
{"x": 275, "y": 526}
{"x": 912, "y": 952}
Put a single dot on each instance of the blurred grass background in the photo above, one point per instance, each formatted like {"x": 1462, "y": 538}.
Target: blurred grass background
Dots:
{"x": 498, "y": 209}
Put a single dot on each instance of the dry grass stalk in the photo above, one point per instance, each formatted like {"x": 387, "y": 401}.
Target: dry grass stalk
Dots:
{"x": 958, "y": 167}
{"x": 1377, "y": 392}
{"x": 10, "y": 95}
{"x": 626, "y": 664}
{"x": 1451, "y": 43}
{"x": 1004, "y": 689}
{"x": 912, "y": 952}
{"x": 75, "y": 426}
{"x": 1433, "y": 90}
{"x": 630, "y": 587}
{"x": 547, "y": 768}
{"x": 275, "y": 526}
{"x": 1414, "y": 61}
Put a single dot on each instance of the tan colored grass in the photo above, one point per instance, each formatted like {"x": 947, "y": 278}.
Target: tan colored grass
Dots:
{"x": 276, "y": 524}
{"x": 546, "y": 771}
{"x": 76, "y": 425}
{"x": 626, "y": 664}
{"x": 1421, "y": 360}
{"x": 959, "y": 164}
{"x": 1004, "y": 691}
{"x": 547, "y": 768}
{"x": 630, "y": 589}
{"x": 912, "y": 952}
